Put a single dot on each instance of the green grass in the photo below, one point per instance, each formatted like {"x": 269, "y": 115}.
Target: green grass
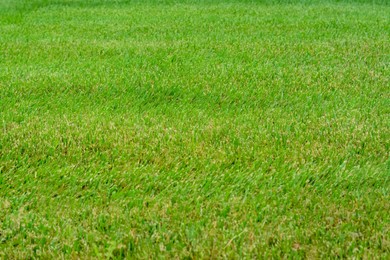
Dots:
{"x": 194, "y": 129}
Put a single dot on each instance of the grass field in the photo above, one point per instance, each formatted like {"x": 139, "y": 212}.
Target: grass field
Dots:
{"x": 194, "y": 129}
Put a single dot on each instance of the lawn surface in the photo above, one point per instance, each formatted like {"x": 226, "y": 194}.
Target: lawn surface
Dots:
{"x": 194, "y": 129}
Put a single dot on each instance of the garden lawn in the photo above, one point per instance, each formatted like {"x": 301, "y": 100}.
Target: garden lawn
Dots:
{"x": 194, "y": 129}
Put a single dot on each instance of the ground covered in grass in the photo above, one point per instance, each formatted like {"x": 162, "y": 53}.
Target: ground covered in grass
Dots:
{"x": 199, "y": 129}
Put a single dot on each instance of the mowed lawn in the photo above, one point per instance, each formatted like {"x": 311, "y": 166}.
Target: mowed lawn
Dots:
{"x": 194, "y": 129}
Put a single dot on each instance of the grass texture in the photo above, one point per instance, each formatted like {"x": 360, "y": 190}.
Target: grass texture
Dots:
{"x": 194, "y": 129}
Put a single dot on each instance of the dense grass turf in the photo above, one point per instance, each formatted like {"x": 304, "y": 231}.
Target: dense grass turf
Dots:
{"x": 195, "y": 129}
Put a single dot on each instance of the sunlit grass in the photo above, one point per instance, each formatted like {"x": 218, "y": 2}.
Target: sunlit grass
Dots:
{"x": 199, "y": 129}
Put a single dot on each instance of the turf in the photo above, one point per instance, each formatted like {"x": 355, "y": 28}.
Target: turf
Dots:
{"x": 194, "y": 129}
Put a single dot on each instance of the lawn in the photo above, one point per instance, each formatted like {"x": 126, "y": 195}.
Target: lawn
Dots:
{"x": 194, "y": 129}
